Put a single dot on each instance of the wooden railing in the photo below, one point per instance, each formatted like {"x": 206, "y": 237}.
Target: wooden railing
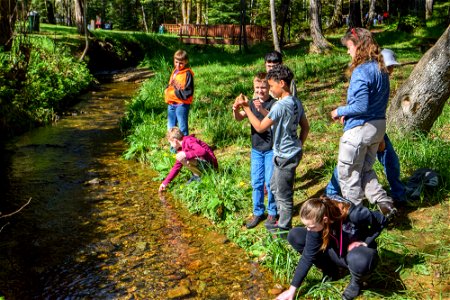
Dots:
{"x": 216, "y": 34}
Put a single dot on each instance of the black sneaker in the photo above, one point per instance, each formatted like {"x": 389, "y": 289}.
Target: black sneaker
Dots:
{"x": 194, "y": 178}
{"x": 387, "y": 209}
{"x": 254, "y": 221}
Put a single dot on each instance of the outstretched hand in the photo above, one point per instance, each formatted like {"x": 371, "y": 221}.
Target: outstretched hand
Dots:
{"x": 240, "y": 101}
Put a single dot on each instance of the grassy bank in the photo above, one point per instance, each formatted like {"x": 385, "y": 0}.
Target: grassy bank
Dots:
{"x": 414, "y": 252}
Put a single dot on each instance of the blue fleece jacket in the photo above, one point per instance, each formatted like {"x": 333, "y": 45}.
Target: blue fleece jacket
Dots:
{"x": 367, "y": 96}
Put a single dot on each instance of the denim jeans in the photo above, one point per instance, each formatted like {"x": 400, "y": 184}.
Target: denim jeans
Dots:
{"x": 261, "y": 172}
{"x": 178, "y": 114}
{"x": 389, "y": 159}
{"x": 282, "y": 186}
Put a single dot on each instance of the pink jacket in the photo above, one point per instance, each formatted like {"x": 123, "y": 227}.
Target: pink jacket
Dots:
{"x": 194, "y": 148}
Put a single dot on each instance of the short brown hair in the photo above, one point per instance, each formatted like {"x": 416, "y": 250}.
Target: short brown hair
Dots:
{"x": 260, "y": 77}
{"x": 175, "y": 133}
{"x": 181, "y": 55}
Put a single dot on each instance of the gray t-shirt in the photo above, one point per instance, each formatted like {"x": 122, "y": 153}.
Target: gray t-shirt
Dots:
{"x": 286, "y": 114}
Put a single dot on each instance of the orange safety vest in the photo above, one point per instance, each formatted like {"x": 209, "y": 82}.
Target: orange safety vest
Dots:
{"x": 181, "y": 77}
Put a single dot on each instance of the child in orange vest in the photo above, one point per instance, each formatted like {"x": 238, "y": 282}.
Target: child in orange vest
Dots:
{"x": 179, "y": 93}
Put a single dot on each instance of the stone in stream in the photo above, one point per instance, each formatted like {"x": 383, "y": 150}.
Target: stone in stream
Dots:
{"x": 178, "y": 292}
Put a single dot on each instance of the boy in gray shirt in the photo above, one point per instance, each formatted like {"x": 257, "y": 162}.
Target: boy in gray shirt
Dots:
{"x": 286, "y": 115}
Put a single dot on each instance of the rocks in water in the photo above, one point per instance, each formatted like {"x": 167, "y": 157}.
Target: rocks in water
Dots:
{"x": 178, "y": 292}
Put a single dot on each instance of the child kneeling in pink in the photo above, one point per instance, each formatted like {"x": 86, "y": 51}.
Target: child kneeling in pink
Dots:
{"x": 192, "y": 153}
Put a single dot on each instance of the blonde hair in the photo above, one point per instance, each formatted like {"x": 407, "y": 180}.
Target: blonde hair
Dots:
{"x": 260, "y": 77}
{"x": 367, "y": 48}
{"x": 315, "y": 209}
{"x": 175, "y": 133}
{"x": 181, "y": 55}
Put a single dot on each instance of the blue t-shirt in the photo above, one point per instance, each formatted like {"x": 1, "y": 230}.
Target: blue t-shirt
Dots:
{"x": 286, "y": 115}
{"x": 367, "y": 96}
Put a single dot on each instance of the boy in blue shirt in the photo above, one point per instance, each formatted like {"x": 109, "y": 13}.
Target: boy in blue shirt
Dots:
{"x": 261, "y": 154}
{"x": 285, "y": 116}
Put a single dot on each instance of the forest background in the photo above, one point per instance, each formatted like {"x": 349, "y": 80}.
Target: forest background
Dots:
{"x": 40, "y": 74}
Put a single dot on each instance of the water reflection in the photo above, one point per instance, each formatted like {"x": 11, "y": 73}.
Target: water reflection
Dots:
{"x": 97, "y": 227}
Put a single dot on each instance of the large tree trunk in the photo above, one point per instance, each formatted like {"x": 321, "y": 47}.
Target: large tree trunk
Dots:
{"x": 355, "y": 14}
{"x": 319, "y": 43}
{"x": 420, "y": 100}
{"x": 336, "y": 20}
{"x": 429, "y": 8}
{"x": 79, "y": 16}
{"x": 7, "y": 22}
{"x": 273, "y": 22}
{"x": 50, "y": 12}
{"x": 372, "y": 13}
{"x": 284, "y": 16}
{"x": 144, "y": 18}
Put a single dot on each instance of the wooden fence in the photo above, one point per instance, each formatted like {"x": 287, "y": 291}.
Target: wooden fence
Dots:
{"x": 216, "y": 34}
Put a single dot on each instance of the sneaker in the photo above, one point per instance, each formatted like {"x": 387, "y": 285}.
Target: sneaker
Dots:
{"x": 351, "y": 291}
{"x": 194, "y": 178}
{"x": 387, "y": 209}
{"x": 271, "y": 220}
{"x": 254, "y": 221}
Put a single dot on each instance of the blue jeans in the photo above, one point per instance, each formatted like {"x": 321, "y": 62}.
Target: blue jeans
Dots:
{"x": 178, "y": 114}
{"x": 389, "y": 159}
{"x": 261, "y": 172}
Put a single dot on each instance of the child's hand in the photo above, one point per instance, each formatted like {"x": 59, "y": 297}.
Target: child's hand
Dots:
{"x": 334, "y": 114}
{"x": 175, "y": 84}
{"x": 258, "y": 104}
{"x": 241, "y": 100}
{"x": 162, "y": 187}
{"x": 180, "y": 155}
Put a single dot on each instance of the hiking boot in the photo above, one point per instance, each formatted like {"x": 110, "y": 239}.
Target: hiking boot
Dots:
{"x": 254, "y": 221}
{"x": 351, "y": 291}
{"x": 387, "y": 209}
{"x": 271, "y": 226}
{"x": 194, "y": 178}
{"x": 271, "y": 220}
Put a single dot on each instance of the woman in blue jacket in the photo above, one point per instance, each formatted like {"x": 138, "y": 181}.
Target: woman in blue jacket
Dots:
{"x": 336, "y": 235}
{"x": 364, "y": 118}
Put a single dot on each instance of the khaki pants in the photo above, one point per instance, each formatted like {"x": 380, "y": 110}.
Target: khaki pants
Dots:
{"x": 357, "y": 154}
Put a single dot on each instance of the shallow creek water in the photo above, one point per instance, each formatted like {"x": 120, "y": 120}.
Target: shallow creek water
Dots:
{"x": 96, "y": 228}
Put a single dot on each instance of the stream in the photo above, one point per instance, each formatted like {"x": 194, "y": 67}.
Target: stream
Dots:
{"x": 95, "y": 227}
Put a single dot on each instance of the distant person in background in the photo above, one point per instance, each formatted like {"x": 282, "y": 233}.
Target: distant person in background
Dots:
{"x": 192, "y": 153}
{"x": 386, "y": 154}
{"x": 179, "y": 93}
{"x": 261, "y": 153}
{"x": 364, "y": 118}
{"x": 161, "y": 29}
{"x": 98, "y": 22}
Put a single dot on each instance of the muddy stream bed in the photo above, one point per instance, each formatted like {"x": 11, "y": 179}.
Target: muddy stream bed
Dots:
{"x": 95, "y": 227}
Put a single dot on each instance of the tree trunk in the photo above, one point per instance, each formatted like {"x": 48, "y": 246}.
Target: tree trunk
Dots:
{"x": 7, "y": 22}
{"x": 198, "y": 6}
{"x": 420, "y": 100}
{"x": 284, "y": 15}
{"x": 144, "y": 18}
{"x": 79, "y": 16}
{"x": 319, "y": 43}
{"x": 243, "y": 29}
{"x": 429, "y": 8}
{"x": 50, "y": 12}
{"x": 372, "y": 13}
{"x": 355, "y": 14}
{"x": 183, "y": 11}
{"x": 273, "y": 21}
{"x": 336, "y": 20}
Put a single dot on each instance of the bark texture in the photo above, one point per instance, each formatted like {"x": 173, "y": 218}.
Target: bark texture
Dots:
{"x": 336, "y": 20}
{"x": 319, "y": 44}
{"x": 420, "y": 100}
{"x": 273, "y": 22}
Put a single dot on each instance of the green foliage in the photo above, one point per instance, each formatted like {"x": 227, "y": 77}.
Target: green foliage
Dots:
{"x": 37, "y": 77}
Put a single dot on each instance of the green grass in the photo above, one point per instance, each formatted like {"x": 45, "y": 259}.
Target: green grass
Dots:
{"x": 406, "y": 270}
